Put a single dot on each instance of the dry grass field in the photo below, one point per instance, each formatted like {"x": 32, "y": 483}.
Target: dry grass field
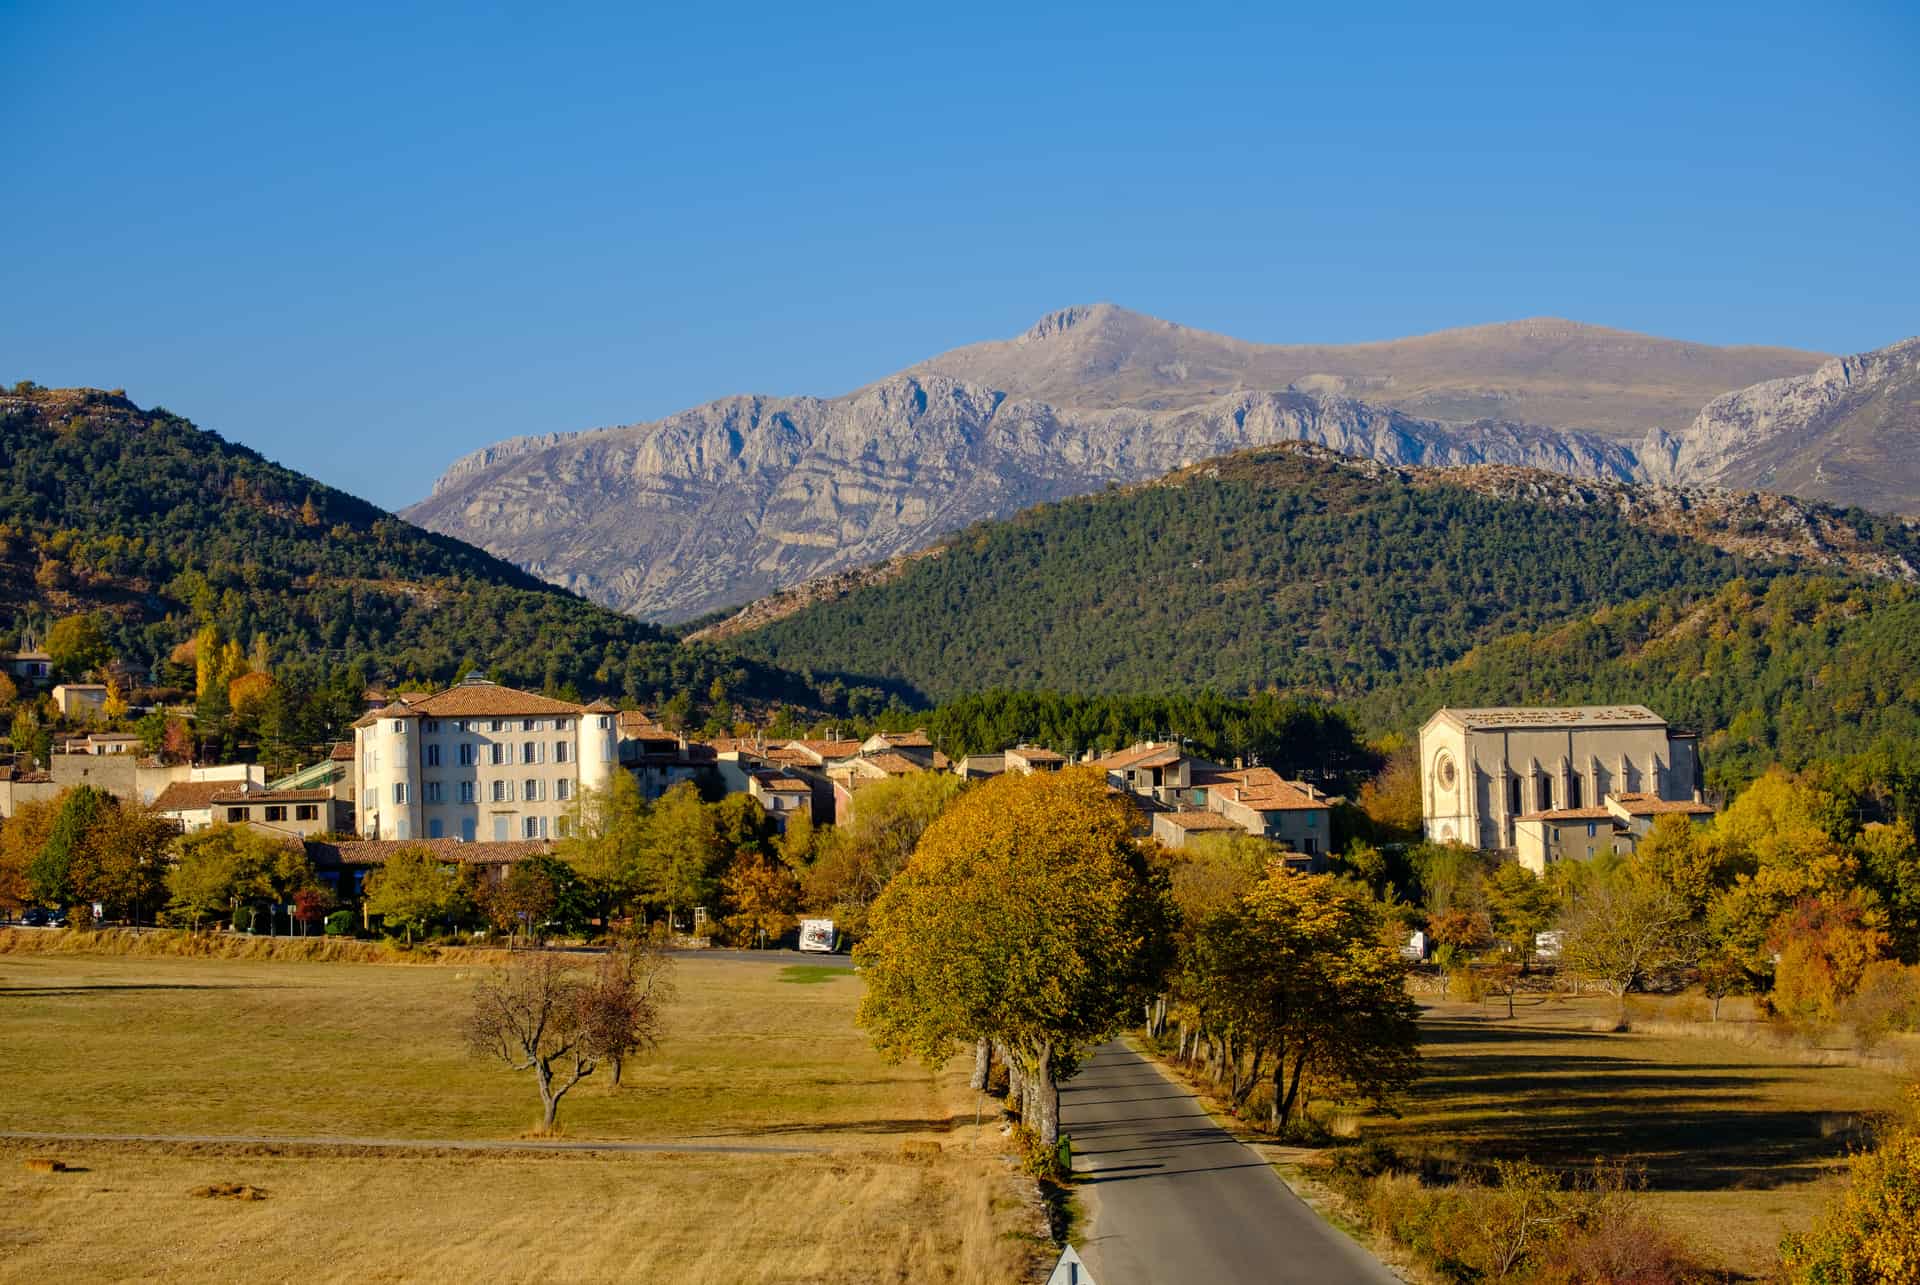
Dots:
{"x": 1739, "y": 1143}
{"x": 755, "y": 1056}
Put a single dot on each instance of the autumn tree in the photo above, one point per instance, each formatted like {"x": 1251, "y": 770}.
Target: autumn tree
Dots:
{"x": 1680, "y": 856}
{"x": 1890, "y": 865}
{"x": 1522, "y": 906}
{"x": 22, "y": 836}
{"x": 1823, "y": 946}
{"x": 217, "y": 868}
{"x": 123, "y": 862}
{"x": 413, "y": 890}
{"x": 682, "y": 853}
{"x": 1391, "y": 800}
{"x": 50, "y": 874}
{"x": 1620, "y": 930}
{"x": 533, "y": 1016}
{"x": 863, "y": 853}
{"x": 1302, "y": 970}
{"x": 763, "y": 895}
{"x": 1027, "y": 915}
{"x": 1870, "y": 1233}
{"x": 622, "y": 1006}
{"x": 609, "y": 843}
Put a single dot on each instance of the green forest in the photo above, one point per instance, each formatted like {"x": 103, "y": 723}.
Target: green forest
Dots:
{"x": 1792, "y": 670}
{"x": 162, "y": 529}
{"x": 1279, "y": 572}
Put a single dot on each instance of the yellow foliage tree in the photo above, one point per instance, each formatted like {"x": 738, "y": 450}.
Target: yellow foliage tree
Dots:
{"x": 1870, "y": 1235}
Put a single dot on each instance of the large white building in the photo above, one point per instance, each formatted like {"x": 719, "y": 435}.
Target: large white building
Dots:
{"x": 479, "y": 762}
{"x": 1483, "y": 770}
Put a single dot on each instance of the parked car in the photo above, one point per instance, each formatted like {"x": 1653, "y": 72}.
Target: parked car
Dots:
{"x": 41, "y": 917}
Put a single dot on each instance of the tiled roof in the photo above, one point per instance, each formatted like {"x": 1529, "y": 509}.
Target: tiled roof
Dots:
{"x": 190, "y": 796}
{"x": 1523, "y": 717}
{"x": 25, "y": 778}
{"x": 894, "y": 764}
{"x": 790, "y": 756}
{"x": 825, "y": 750}
{"x": 271, "y": 796}
{"x": 489, "y": 700}
{"x": 1135, "y": 756}
{"x": 638, "y": 720}
{"x": 782, "y": 784}
{"x": 914, "y": 740}
{"x": 1265, "y": 790}
{"x": 1037, "y": 754}
{"x": 1642, "y": 805}
{"x": 1196, "y": 820}
{"x": 376, "y": 852}
{"x": 600, "y": 706}
{"x": 342, "y": 752}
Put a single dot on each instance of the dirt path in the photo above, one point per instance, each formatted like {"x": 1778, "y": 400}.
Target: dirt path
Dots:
{"x": 330, "y": 1142}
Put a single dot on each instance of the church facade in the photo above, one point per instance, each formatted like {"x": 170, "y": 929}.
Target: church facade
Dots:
{"x": 1483, "y": 771}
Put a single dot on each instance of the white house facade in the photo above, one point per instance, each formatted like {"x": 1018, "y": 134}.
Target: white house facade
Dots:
{"x": 479, "y": 762}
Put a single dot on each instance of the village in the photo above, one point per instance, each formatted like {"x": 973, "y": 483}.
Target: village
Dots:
{"x": 484, "y": 777}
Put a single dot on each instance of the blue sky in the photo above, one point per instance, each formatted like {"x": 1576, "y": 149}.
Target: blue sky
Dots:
{"x": 366, "y": 239}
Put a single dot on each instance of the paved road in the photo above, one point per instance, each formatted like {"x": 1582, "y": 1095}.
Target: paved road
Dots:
{"x": 1176, "y": 1201}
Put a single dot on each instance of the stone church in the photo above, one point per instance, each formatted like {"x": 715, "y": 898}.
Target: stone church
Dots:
{"x": 1482, "y": 770}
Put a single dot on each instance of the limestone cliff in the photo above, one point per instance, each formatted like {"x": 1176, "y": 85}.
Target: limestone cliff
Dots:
{"x": 1849, "y": 433}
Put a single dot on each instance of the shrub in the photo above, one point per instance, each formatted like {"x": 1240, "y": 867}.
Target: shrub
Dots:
{"x": 1871, "y": 1233}
{"x": 340, "y": 924}
{"x": 1888, "y": 1000}
{"x": 242, "y": 920}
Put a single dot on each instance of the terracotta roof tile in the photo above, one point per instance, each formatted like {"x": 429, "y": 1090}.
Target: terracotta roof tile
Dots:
{"x": 488, "y": 700}
{"x": 377, "y": 852}
{"x": 1567, "y": 814}
{"x": 271, "y": 796}
{"x": 1197, "y": 820}
{"x": 190, "y": 796}
{"x": 1652, "y": 805}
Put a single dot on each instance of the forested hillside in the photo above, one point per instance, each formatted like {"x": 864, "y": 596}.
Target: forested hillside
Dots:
{"x": 164, "y": 529}
{"x": 1789, "y": 670}
{"x": 1286, "y": 568}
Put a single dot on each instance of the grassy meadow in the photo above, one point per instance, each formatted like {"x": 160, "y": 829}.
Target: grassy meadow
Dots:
{"x": 755, "y": 1055}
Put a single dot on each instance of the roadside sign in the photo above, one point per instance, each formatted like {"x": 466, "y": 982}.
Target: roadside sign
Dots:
{"x": 817, "y": 935}
{"x": 1069, "y": 1270}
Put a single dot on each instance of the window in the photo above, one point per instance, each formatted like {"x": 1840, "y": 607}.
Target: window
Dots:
{"x": 459, "y": 724}
{"x": 238, "y": 814}
{"x": 399, "y": 791}
{"x": 431, "y": 792}
{"x": 497, "y": 726}
{"x": 430, "y": 726}
{"x": 606, "y": 721}
{"x": 306, "y": 812}
{"x": 531, "y": 725}
{"x": 466, "y": 791}
{"x": 398, "y": 726}
{"x": 563, "y": 789}
{"x": 433, "y": 828}
{"x": 1516, "y": 791}
{"x": 560, "y": 751}
{"x": 433, "y": 756}
{"x": 532, "y": 752}
{"x": 466, "y": 829}
{"x": 562, "y": 827}
{"x": 1546, "y": 794}
{"x": 533, "y": 827}
{"x": 466, "y": 754}
{"x": 531, "y": 791}
{"x": 500, "y": 752}
{"x": 1573, "y": 789}
{"x": 1592, "y": 830}
{"x": 276, "y": 812}
{"x": 503, "y": 791}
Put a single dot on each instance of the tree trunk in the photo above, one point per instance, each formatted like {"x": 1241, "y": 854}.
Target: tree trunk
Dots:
{"x": 1047, "y": 1108}
{"x": 618, "y": 1063}
{"x": 982, "y": 1065}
